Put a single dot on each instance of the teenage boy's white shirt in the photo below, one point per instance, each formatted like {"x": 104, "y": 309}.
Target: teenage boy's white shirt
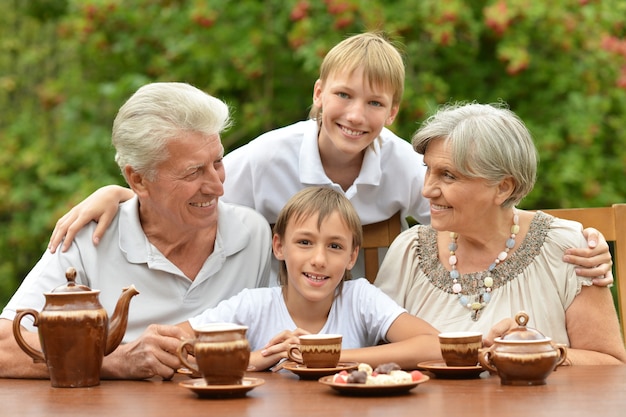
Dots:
{"x": 362, "y": 314}
{"x": 240, "y": 259}
{"x": 267, "y": 171}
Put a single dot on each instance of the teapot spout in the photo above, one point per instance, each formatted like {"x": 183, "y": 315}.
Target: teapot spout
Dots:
{"x": 119, "y": 320}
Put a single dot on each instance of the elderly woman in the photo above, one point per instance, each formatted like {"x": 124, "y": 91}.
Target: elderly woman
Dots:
{"x": 482, "y": 260}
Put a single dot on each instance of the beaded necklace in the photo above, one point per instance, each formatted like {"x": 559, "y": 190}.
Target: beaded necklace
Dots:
{"x": 484, "y": 286}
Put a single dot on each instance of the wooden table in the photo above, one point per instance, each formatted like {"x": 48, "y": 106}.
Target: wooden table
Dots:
{"x": 570, "y": 392}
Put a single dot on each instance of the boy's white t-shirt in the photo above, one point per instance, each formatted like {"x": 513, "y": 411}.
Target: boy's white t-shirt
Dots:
{"x": 362, "y": 314}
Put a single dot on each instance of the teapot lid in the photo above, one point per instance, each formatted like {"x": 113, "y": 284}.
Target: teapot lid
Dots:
{"x": 523, "y": 333}
{"x": 71, "y": 285}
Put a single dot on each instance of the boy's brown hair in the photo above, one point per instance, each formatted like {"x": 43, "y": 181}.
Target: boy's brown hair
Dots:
{"x": 373, "y": 52}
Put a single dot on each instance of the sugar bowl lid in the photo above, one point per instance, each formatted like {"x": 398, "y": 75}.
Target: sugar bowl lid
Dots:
{"x": 71, "y": 285}
{"x": 523, "y": 333}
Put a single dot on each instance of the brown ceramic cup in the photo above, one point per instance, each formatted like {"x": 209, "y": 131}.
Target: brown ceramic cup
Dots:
{"x": 222, "y": 353}
{"x": 460, "y": 348}
{"x": 317, "y": 350}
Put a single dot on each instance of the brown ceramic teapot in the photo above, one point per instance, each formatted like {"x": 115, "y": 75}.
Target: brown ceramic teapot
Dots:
{"x": 523, "y": 356}
{"x": 74, "y": 332}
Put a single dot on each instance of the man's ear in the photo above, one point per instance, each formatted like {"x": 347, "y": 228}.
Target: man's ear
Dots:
{"x": 136, "y": 181}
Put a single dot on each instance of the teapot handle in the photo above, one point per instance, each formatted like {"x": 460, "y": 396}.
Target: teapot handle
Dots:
{"x": 484, "y": 357}
{"x": 183, "y": 355}
{"x": 17, "y": 332}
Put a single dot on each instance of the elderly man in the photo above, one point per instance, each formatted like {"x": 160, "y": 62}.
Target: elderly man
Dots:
{"x": 175, "y": 241}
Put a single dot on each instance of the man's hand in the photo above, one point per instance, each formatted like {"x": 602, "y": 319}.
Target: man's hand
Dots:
{"x": 152, "y": 354}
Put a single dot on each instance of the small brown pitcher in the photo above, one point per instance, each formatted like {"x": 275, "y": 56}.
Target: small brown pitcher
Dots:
{"x": 74, "y": 332}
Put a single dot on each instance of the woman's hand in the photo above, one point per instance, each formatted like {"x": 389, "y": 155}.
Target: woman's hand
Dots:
{"x": 498, "y": 330}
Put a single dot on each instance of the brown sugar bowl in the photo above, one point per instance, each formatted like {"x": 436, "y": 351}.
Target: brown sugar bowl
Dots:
{"x": 524, "y": 356}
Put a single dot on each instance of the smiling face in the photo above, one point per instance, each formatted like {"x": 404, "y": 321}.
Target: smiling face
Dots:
{"x": 353, "y": 111}
{"x": 316, "y": 257}
{"x": 184, "y": 195}
{"x": 458, "y": 203}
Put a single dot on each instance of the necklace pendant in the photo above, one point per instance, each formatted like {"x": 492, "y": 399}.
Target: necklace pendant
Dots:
{"x": 477, "y": 307}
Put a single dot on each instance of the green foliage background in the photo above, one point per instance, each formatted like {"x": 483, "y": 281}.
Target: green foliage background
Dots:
{"x": 66, "y": 66}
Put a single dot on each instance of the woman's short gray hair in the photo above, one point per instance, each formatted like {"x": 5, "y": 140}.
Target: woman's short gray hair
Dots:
{"x": 158, "y": 113}
{"x": 486, "y": 141}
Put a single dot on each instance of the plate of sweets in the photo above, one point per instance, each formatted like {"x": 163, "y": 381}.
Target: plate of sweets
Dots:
{"x": 386, "y": 379}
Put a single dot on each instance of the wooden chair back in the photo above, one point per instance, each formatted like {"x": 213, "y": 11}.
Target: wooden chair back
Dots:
{"x": 375, "y": 236}
{"x": 611, "y": 222}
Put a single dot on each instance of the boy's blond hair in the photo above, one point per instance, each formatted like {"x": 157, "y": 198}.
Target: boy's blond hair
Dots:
{"x": 320, "y": 202}
{"x": 380, "y": 60}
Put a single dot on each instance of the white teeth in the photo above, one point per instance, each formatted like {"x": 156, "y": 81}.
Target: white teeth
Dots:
{"x": 352, "y": 132}
{"x": 315, "y": 278}
{"x": 438, "y": 207}
{"x": 207, "y": 204}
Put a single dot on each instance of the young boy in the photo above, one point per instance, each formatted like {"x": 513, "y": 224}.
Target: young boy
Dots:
{"x": 316, "y": 239}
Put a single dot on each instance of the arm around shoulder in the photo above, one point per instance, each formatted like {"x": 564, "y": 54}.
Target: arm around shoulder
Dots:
{"x": 593, "y": 260}
{"x": 101, "y": 207}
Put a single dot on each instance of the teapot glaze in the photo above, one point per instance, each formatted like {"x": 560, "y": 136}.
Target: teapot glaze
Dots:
{"x": 74, "y": 332}
{"x": 523, "y": 356}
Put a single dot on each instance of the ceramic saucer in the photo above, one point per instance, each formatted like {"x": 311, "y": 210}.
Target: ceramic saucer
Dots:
{"x": 200, "y": 387}
{"x": 371, "y": 390}
{"x": 441, "y": 370}
{"x": 315, "y": 373}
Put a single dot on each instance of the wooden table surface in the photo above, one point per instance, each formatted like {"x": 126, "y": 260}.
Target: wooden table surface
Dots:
{"x": 569, "y": 392}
